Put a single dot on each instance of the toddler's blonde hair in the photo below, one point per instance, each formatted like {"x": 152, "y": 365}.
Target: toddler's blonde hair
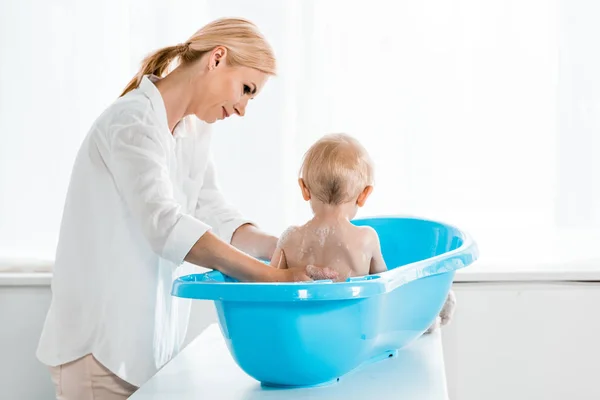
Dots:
{"x": 336, "y": 169}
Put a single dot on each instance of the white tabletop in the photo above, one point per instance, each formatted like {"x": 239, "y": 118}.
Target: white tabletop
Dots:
{"x": 206, "y": 370}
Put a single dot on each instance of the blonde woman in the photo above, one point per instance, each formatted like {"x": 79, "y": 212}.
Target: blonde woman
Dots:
{"x": 143, "y": 199}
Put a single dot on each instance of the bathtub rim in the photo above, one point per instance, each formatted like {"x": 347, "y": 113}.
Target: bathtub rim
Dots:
{"x": 205, "y": 287}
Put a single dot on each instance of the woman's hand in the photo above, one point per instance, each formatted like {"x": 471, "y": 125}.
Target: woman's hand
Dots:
{"x": 305, "y": 274}
{"x": 308, "y": 273}
{"x": 446, "y": 314}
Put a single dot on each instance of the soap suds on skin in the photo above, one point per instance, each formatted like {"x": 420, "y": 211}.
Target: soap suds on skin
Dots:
{"x": 286, "y": 234}
{"x": 302, "y": 249}
{"x": 324, "y": 244}
{"x": 322, "y": 233}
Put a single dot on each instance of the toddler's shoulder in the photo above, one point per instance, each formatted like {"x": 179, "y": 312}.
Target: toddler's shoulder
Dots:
{"x": 368, "y": 237}
{"x": 367, "y": 232}
{"x": 289, "y": 235}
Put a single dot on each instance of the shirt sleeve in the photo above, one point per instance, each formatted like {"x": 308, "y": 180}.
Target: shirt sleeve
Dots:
{"x": 138, "y": 161}
{"x": 213, "y": 208}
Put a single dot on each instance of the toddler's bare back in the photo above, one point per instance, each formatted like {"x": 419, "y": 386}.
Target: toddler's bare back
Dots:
{"x": 340, "y": 245}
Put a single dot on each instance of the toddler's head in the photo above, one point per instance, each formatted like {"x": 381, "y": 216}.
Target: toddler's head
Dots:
{"x": 337, "y": 170}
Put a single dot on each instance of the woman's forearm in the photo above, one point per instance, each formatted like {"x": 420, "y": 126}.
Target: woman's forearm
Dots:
{"x": 211, "y": 252}
{"x": 255, "y": 242}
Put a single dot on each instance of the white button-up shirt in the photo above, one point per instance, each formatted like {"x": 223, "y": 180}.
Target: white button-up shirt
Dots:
{"x": 138, "y": 200}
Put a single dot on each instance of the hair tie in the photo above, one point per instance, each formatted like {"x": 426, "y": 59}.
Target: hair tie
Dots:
{"x": 183, "y": 47}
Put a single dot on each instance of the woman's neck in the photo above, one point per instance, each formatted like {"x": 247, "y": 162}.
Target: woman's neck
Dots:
{"x": 176, "y": 92}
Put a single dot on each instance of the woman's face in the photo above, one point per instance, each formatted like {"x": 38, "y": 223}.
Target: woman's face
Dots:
{"x": 225, "y": 90}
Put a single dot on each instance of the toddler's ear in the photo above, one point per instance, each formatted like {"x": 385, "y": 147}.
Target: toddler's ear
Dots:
{"x": 305, "y": 191}
{"x": 364, "y": 195}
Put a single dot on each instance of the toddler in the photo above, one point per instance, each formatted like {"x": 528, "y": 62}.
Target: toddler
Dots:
{"x": 336, "y": 178}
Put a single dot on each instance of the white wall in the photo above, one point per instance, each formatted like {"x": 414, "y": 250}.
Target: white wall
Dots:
{"x": 23, "y": 309}
{"x": 524, "y": 341}
{"x": 52, "y": 86}
{"x": 22, "y": 313}
{"x": 482, "y": 114}
{"x": 507, "y": 341}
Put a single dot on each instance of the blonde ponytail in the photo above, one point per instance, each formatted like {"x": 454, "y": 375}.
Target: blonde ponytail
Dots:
{"x": 156, "y": 63}
{"x": 245, "y": 44}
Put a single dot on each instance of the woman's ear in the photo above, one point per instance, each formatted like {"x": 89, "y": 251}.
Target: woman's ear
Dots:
{"x": 364, "y": 195}
{"x": 217, "y": 56}
{"x": 304, "y": 189}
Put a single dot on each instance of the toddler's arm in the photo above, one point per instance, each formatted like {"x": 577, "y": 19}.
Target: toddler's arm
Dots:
{"x": 377, "y": 262}
{"x": 278, "y": 260}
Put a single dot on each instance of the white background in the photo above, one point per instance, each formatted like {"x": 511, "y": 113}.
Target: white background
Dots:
{"x": 482, "y": 114}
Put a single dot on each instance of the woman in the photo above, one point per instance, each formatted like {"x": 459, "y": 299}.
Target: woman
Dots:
{"x": 142, "y": 200}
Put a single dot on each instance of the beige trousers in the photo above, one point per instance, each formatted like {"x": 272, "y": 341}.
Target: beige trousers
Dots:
{"x": 87, "y": 379}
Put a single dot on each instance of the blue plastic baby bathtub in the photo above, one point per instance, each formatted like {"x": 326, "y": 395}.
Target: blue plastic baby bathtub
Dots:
{"x": 308, "y": 334}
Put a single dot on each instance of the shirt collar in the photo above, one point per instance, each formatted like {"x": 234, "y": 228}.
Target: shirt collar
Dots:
{"x": 149, "y": 89}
